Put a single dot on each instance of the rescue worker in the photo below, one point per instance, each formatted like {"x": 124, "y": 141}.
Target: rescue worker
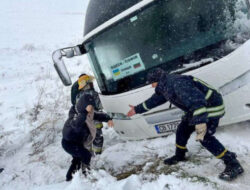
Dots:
{"x": 84, "y": 85}
{"x": 203, "y": 107}
{"x": 79, "y": 132}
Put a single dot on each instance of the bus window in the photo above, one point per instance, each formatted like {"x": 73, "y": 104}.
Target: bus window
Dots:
{"x": 162, "y": 35}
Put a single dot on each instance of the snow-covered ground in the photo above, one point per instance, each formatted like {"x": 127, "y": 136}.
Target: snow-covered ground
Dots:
{"x": 34, "y": 106}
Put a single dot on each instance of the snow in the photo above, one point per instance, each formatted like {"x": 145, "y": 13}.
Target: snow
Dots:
{"x": 34, "y": 106}
{"x": 194, "y": 65}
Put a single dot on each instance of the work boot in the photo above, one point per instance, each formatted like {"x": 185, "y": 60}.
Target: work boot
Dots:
{"x": 85, "y": 169}
{"x": 74, "y": 167}
{"x": 179, "y": 156}
{"x": 233, "y": 167}
{"x": 98, "y": 142}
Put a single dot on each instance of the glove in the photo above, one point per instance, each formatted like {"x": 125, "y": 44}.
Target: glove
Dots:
{"x": 201, "y": 130}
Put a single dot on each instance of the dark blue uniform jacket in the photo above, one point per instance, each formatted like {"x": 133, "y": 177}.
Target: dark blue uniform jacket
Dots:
{"x": 197, "y": 99}
{"x": 76, "y": 93}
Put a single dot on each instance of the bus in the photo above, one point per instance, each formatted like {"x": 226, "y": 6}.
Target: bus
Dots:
{"x": 124, "y": 40}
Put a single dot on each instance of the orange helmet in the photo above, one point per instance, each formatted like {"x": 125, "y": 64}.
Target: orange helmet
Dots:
{"x": 84, "y": 80}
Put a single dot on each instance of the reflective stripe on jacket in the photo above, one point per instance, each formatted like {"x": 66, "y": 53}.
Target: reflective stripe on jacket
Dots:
{"x": 190, "y": 94}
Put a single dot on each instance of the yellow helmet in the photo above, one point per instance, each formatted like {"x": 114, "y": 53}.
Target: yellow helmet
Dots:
{"x": 84, "y": 80}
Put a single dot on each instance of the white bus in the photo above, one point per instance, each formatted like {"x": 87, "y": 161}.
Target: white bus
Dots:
{"x": 125, "y": 39}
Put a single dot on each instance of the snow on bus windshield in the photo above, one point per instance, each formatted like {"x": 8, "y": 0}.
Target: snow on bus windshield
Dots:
{"x": 161, "y": 35}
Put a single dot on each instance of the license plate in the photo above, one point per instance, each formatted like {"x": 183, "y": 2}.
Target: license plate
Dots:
{"x": 166, "y": 127}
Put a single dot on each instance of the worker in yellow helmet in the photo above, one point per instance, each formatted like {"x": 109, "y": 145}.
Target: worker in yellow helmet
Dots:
{"x": 84, "y": 85}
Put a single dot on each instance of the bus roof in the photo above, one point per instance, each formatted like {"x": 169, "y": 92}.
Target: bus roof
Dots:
{"x": 103, "y": 13}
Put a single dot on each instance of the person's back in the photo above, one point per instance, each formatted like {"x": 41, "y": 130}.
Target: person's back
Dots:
{"x": 75, "y": 134}
{"x": 75, "y": 129}
{"x": 79, "y": 132}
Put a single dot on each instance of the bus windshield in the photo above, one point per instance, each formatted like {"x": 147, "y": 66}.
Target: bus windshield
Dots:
{"x": 162, "y": 35}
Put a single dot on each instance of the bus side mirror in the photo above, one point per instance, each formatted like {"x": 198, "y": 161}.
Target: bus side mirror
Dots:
{"x": 57, "y": 57}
